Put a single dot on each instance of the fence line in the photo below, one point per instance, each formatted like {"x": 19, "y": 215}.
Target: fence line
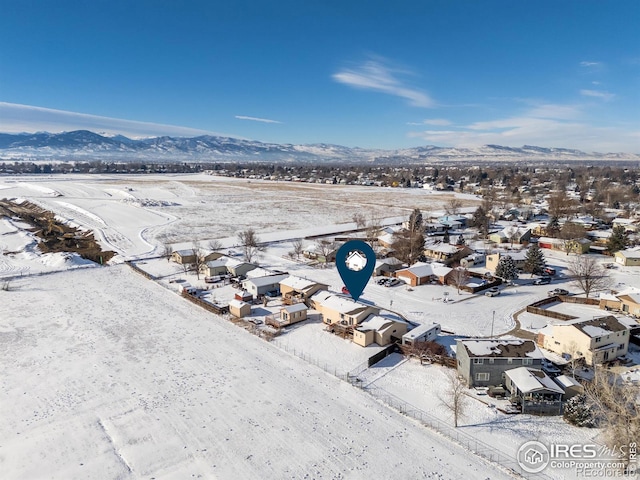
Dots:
{"x": 466, "y": 440}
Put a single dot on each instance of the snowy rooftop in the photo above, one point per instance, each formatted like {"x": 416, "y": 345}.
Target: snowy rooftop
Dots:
{"x": 565, "y": 381}
{"x": 268, "y": 280}
{"x": 630, "y": 252}
{"x": 298, "y": 307}
{"x": 442, "y": 248}
{"x": 597, "y": 327}
{"x": 515, "y": 348}
{"x": 237, "y": 303}
{"x": 530, "y": 380}
{"x": 297, "y": 283}
{"x": 338, "y": 303}
{"x": 421, "y": 330}
{"x": 375, "y": 322}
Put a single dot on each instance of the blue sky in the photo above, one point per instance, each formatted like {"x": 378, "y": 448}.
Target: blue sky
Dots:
{"x": 375, "y": 74}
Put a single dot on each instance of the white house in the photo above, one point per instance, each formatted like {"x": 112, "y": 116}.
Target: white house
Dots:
{"x": 427, "y": 332}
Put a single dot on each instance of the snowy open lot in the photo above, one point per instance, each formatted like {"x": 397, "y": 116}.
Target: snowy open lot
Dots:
{"x": 97, "y": 384}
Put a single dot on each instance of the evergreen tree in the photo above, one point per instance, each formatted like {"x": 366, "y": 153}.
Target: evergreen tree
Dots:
{"x": 506, "y": 268}
{"x": 578, "y": 412}
{"x": 460, "y": 241}
{"x": 618, "y": 239}
{"x": 553, "y": 227}
{"x": 534, "y": 262}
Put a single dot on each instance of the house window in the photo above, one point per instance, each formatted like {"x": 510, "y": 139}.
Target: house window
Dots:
{"x": 491, "y": 360}
{"x": 621, "y": 347}
{"x": 598, "y": 339}
{"x": 482, "y": 377}
{"x": 527, "y": 361}
{"x": 478, "y": 361}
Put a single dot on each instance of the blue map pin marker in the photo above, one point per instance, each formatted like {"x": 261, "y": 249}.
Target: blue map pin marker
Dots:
{"x": 355, "y": 261}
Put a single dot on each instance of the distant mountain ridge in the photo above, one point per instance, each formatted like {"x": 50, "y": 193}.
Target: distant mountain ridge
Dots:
{"x": 85, "y": 145}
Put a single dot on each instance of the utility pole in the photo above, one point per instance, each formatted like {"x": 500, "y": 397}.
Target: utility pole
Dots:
{"x": 493, "y": 320}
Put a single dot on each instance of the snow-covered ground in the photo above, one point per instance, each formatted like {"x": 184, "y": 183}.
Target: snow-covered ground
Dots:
{"x": 109, "y": 375}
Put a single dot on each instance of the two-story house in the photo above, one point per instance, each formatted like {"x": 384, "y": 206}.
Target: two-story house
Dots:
{"x": 482, "y": 362}
{"x": 596, "y": 340}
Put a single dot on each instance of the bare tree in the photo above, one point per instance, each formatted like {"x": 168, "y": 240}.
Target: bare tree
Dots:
{"x": 198, "y": 253}
{"x": 616, "y": 405}
{"x": 214, "y": 245}
{"x": 298, "y": 248}
{"x": 454, "y": 397}
{"x": 250, "y": 243}
{"x": 325, "y": 248}
{"x": 459, "y": 277}
{"x": 372, "y": 231}
{"x": 588, "y": 274}
{"x": 453, "y": 206}
{"x": 359, "y": 219}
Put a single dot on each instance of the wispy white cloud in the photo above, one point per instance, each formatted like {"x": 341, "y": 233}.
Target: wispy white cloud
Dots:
{"x": 597, "y": 94}
{"x": 546, "y": 125}
{"x": 256, "y": 119}
{"x": 16, "y": 118}
{"x": 588, "y": 64}
{"x": 377, "y": 76}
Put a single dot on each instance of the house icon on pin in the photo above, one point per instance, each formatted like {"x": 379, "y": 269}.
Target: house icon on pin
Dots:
{"x": 356, "y": 261}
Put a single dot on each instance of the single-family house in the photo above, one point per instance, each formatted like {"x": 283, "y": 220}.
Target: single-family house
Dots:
{"x": 513, "y": 235}
{"x": 184, "y": 257}
{"x": 435, "y": 228}
{"x": 294, "y": 287}
{"x": 224, "y": 265}
{"x": 534, "y": 391}
{"x": 386, "y": 240}
{"x": 445, "y": 252}
{"x": 596, "y": 340}
{"x": 261, "y": 285}
{"x": 629, "y": 224}
{"x": 322, "y": 255}
{"x": 387, "y": 266}
{"x": 578, "y": 245}
{"x": 519, "y": 257}
{"x": 334, "y": 308}
{"x": 453, "y": 221}
{"x": 239, "y": 309}
{"x": 483, "y": 362}
{"x": 427, "y": 332}
{"x": 627, "y": 300}
{"x": 629, "y": 257}
{"x": 423, "y": 273}
{"x": 381, "y": 329}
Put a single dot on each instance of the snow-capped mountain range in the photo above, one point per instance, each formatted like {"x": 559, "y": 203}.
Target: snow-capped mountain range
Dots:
{"x": 83, "y": 145}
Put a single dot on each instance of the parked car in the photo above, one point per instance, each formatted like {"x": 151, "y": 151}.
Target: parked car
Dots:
{"x": 392, "y": 282}
{"x": 382, "y": 281}
{"x": 272, "y": 294}
{"x": 557, "y": 291}
{"x": 549, "y": 271}
{"x": 345, "y": 290}
{"x": 542, "y": 281}
{"x": 492, "y": 292}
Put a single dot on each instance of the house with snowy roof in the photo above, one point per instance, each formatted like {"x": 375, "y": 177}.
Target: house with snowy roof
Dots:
{"x": 534, "y": 391}
{"x": 629, "y": 257}
{"x": 294, "y": 287}
{"x": 386, "y": 266}
{"x": 334, "y": 308}
{"x": 629, "y": 224}
{"x": 483, "y": 361}
{"x": 445, "y": 252}
{"x": 596, "y": 340}
{"x": 224, "y": 265}
{"x": 261, "y": 285}
{"x": 519, "y": 258}
{"x": 627, "y": 300}
{"x": 517, "y": 235}
{"x": 382, "y": 329}
{"x": 422, "y": 273}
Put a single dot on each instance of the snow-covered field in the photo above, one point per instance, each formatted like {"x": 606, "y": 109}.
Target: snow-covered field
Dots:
{"x": 109, "y": 375}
